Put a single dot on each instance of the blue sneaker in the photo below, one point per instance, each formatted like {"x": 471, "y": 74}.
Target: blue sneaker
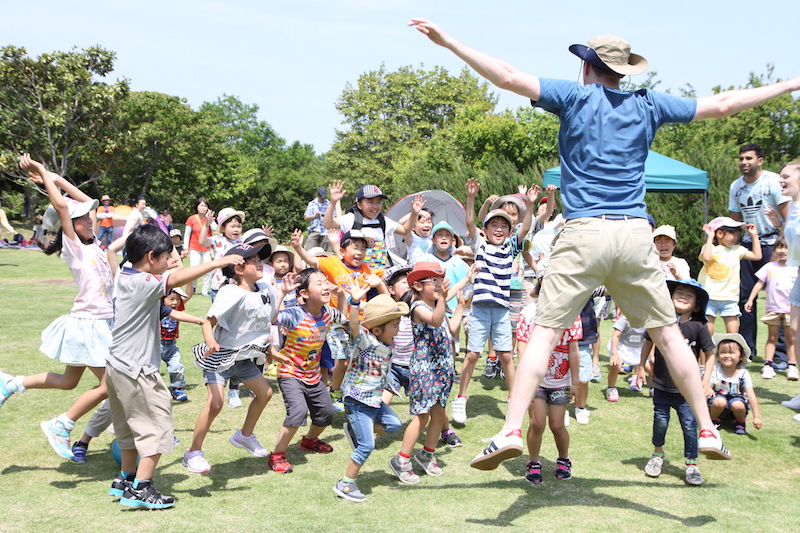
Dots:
{"x": 179, "y": 395}
{"x": 58, "y": 437}
{"x": 5, "y": 391}
{"x": 147, "y": 497}
{"x": 79, "y": 452}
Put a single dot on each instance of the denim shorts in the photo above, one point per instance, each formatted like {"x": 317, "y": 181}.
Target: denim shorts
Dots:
{"x": 730, "y": 399}
{"x": 489, "y": 321}
{"x": 723, "y": 308}
{"x": 398, "y": 378}
{"x": 557, "y": 396}
{"x": 243, "y": 371}
{"x": 585, "y": 373}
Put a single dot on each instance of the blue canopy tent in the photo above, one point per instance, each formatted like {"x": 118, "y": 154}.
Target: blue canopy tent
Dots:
{"x": 661, "y": 174}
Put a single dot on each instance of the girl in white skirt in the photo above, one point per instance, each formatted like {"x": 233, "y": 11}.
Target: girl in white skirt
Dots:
{"x": 80, "y": 339}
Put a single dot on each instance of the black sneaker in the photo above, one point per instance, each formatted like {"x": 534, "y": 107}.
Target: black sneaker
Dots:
{"x": 146, "y": 496}
{"x": 563, "y": 469}
{"x": 79, "y": 452}
{"x": 451, "y": 439}
{"x": 533, "y": 473}
{"x": 740, "y": 428}
{"x": 490, "y": 370}
{"x": 120, "y": 485}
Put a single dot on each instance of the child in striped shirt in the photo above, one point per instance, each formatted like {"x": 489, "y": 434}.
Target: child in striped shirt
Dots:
{"x": 490, "y": 316}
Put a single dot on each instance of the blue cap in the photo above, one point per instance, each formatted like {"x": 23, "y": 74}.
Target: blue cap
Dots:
{"x": 699, "y": 291}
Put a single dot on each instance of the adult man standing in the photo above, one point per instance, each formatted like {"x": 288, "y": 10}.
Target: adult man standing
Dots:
{"x": 604, "y": 138}
{"x": 105, "y": 221}
{"x": 749, "y": 195}
{"x": 315, "y": 212}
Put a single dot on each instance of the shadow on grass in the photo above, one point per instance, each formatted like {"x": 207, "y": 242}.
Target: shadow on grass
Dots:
{"x": 553, "y": 493}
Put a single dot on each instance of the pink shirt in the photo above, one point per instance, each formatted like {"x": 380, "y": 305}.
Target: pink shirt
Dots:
{"x": 92, "y": 274}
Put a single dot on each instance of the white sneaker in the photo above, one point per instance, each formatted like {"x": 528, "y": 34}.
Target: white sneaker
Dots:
{"x": 582, "y": 415}
{"x": 233, "y": 398}
{"x": 792, "y": 374}
{"x": 566, "y": 418}
{"x": 710, "y": 444}
{"x": 767, "y": 372}
{"x": 250, "y": 444}
{"x": 796, "y": 417}
{"x": 196, "y": 462}
{"x": 460, "y": 409}
{"x": 501, "y": 448}
{"x": 794, "y": 403}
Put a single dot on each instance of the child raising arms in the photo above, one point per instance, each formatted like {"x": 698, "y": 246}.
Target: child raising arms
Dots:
{"x": 720, "y": 273}
{"x": 80, "y": 340}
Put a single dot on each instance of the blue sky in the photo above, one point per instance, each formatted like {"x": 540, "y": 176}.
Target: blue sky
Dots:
{"x": 294, "y": 59}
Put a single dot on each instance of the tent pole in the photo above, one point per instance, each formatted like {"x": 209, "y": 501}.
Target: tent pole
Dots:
{"x": 705, "y": 202}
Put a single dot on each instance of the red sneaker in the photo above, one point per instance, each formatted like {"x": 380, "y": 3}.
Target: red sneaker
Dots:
{"x": 278, "y": 463}
{"x": 316, "y": 446}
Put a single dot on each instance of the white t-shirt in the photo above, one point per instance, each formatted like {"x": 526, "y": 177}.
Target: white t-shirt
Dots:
{"x": 92, "y": 274}
{"x": 243, "y": 317}
{"x": 219, "y": 245}
{"x": 680, "y": 265}
{"x": 749, "y": 199}
{"x": 377, "y": 255}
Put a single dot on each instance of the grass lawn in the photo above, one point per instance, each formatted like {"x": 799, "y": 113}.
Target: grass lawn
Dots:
{"x": 40, "y": 492}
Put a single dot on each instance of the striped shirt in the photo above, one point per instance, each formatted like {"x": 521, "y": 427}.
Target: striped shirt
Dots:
{"x": 304, "y": 339}
{"x": 403, "y": 345}
{"x": 493, "y": 282}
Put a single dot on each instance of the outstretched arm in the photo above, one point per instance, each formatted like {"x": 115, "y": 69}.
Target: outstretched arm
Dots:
{"x": 731, "y": 102}
{"x": 495, "y": 70}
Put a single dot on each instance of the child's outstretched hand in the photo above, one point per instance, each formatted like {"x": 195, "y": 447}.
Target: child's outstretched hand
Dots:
{"x": 356, "y": 293}
{"x": 34, "y": 169}
{"x": 472, "y": 187}
{"x": 473, "y": 272}
{"x": 708, "y": 231}
{"x": 551, "y": 190}
{"x": 210, "y": 215}
{"x": 372, "y": 280}
{"x": 417, "y": 204}
{"x": 289, "y": 282}
{"x": 773, "y": 215}
{"x": 492, "y": 199}
{"x": 297, "y": 239}
{"x": 335, "y": 191}
{"x": 751, "y": 229}
{"x": 267, "y": 229}
{"x": 532, "y": 194}
{"x": 757, "y": 422}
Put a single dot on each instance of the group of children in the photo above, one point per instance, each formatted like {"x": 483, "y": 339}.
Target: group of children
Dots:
{"x": 377, "y": 330}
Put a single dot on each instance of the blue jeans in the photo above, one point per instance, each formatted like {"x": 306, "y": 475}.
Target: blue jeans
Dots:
{"x": 105, "y": 234}
{"x": 362, "y": 419}
{"x": 662, "y": 401}
{"x": 172, "y": 356}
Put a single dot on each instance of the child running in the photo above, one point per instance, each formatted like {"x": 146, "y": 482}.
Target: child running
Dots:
{"x": 721, "y": 255}
{"x": 80, "y": 340}
{"x": 732, "y": 394}
{"x": 624, "y": 348}
{"x": 364, "y": 382}
{"x": 299, "y": 372}
{"x": 690, "y": 300}
{"x": 236, "y": 334}
{"x": 139, "y": 399}
{"x": 431, "y": 371}
{"x": 778, "y": 278}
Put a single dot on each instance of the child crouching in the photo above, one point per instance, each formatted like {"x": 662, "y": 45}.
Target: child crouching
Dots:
{"x": 365, "y": 381}
{"x": 732, "y": 394}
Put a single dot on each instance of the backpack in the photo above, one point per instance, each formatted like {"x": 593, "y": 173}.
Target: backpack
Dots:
{"x": 358, "y": 223}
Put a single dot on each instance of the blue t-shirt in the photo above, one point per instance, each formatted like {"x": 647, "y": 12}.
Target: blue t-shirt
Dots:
{"x": 603, "y": 141}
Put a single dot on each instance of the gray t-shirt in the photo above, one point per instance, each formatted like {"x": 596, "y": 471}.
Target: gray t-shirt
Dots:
{"x": 749, "y": 199}
{"x": 136, "y": 347}
{"x": 243, "y": 317}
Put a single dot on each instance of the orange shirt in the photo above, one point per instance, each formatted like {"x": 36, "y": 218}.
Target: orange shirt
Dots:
{"x": 344, "y": 276}
{"x": 106, "y": 222}
{"x": 195, "y": 222}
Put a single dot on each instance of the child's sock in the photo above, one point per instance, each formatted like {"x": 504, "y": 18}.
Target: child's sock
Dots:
{"x": 659, "y": 454}
{"x": 17, "y": 384}
{"x": 768, "y": 362}
{"x": 404, "y": 459}
{"x": 791, "y": 363}
{"x": 129, "y": 476}
{"x": 427, "y": 452}
{"x": 68, "y": 424}
{"x": 139, "y": 483}
{"x": 691, "y": 461}
{"x": 348, "y": 480}
{"x": 716, "y": 421}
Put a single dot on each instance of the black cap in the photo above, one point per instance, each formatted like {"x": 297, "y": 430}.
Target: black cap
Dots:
{"x": 245, "y": 250}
